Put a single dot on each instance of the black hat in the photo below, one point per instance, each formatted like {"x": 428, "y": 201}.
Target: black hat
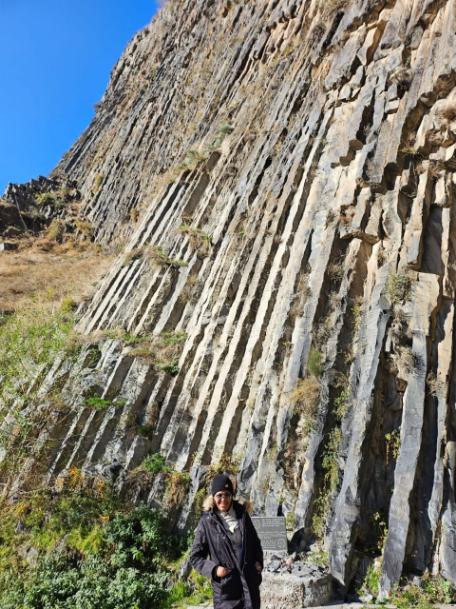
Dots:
{"x": 221, "y": 482}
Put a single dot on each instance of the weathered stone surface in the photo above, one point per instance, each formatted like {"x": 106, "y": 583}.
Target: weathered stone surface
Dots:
{"x": 283, "y": 175}
{"x": 290, "y": 591}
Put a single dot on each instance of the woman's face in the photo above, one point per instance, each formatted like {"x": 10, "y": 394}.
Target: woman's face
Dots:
{"x": 223, "y": 501}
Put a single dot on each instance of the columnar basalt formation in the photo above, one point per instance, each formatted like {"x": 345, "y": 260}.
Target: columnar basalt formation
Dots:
{"x": 283, "y": 175}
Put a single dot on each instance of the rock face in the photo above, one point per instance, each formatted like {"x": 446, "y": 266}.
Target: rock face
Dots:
{"x": 30, "y": 208}
{"x": 283, "y": 175}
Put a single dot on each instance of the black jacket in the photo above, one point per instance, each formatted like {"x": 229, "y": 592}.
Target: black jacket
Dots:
{"x": 212, "y": 548}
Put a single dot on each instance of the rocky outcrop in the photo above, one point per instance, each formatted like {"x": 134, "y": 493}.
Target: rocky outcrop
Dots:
{"x": 283, "y": 173}
{"x": 28, "y": 209}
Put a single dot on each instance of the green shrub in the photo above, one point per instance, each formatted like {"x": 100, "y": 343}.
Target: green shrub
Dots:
{"x": 431, "y": 592}
{"x": 371, "y": 581}
{"x": 197, "y": 590}
{"x": 169, "y": 366}
{"x": 342, "y": 403}
{"x": 330, "y": 470}
{"x": 128, "y": 567}
{"x": 314, "y": 363}
{"x": 28, "y": 340}
{"x": 98, "y": 403}
{"x": 398, "y": 288}
{"x": 439, "y": 590}
{"x": 46, "y": 198}
{"x": 155, "y": 464}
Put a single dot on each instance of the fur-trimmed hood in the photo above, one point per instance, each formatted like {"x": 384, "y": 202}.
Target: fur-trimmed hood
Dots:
{"x": 209, "y": 504}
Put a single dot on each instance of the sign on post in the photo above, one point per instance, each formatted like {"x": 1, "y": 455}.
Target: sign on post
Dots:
{"x": 272, "y": 533}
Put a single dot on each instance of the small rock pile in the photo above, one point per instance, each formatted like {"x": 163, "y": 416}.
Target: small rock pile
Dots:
{"x": 294, "y": 563}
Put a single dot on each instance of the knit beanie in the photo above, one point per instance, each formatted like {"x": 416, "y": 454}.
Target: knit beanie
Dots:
{"x": 221, "y": 482}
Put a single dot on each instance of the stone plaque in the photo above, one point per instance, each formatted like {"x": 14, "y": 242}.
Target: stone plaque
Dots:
{"x": 272, "y": 533}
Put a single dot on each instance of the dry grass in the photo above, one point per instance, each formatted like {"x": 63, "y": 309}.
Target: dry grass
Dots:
{"x": 34, "y": 273}
{"x": 190, "y": 289}
{"x": 305, "y": 397}
{"x": 161, "y": 351}
{"x": 448, "y": 112}
{"x": 198, "y": 239}
{"x": 154, "y": 254}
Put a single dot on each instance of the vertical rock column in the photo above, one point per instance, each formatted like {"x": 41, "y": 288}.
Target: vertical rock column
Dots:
{"x": 425, "y": 301}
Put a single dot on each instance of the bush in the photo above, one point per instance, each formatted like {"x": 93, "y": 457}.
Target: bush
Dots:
{"x": 127, "y": 568}
{"x": 398, "y": 288}
{"x": 314, "y": 363}
{"x": 28, "y": 340}
{"x": 46, "y": 198}
{"x": 155, "y": 464}
{"x": 97, "y": 403}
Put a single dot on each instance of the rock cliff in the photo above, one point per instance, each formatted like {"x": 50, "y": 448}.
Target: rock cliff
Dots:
{"x": 282, "y": 175}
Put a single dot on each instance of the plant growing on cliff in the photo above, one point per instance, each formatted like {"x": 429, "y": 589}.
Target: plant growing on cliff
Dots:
{"x": 163, "y": 350}
{"x": 305, "y": 399}
{"x": 221, "y": 133}
{"x": 319, "y": 557}
{"x": 153, "y": 253}
{"x": 227, "y": 463}
{"x": 357, "y": 311}
{"x": 398, "y": 288}
{"x": 371, "y": 581}
{"x": 199, "y": 240}
{"x": 177, "y": 485}
{"x": 158, "y": 255}
{"x": 98, "y": 182}
{"x": 314, "y": 363}
{"x": 84, "y": 227}
{"x": 56, "y": 198}
{"x": 329, "y": 458}
{"x": 169, "y": 366}
{"x": 97, "y": 403}
{"x": 193, "y": 157}
{"x": 46, "y": 198}
{"x": 134, "y": 254}
{"x": 341, "y": 404}
{"x": 432, "y": 591}
{"x": 330, "y": 481}
{"x": 176, "y": 482}
{"x": 30, "y": 340}
{"x": 380, "y": 526}
{"x": 306, "y": 394}
{"x": 155, "y": 464}
{"x": 393, "y": 444}
{"x": 55, "y": 231}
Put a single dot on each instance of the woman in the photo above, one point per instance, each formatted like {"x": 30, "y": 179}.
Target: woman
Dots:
{"x": 227, "y": 549}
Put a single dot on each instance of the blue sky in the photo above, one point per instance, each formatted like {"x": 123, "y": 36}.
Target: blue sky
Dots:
{"x": 55, "y": 61}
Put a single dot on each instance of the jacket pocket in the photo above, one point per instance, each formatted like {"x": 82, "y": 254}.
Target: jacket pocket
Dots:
{"x": 231, "y": 586}
{"x": 225, "y": 581}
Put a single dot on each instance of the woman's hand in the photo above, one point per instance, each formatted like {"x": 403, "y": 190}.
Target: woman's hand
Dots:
{"x": 222, "y": 571}
{"x": 258, "y": 567}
